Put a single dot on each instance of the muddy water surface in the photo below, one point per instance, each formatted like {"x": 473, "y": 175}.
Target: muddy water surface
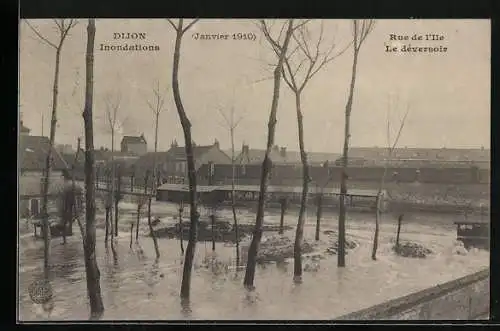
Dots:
{"x": 134, "y": 287}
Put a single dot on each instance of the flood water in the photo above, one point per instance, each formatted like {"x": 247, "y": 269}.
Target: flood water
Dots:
{"x": 134, "y": 287}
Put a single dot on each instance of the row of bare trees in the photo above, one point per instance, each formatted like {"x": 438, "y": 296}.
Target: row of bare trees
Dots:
{"x": 297, "y": 61}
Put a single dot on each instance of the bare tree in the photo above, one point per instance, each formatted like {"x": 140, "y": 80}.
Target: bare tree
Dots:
{"x": 231, "y": 124}
{"x": 91, "y": 267}
{"x": 361, "y": 29}
{"x": 71, "y": 210}
{"x": 156, "y": 107}
{"x": 305, "y": 61}
{"x": 186, "y": 128}
{"x": 112, "y": 107}
{"x": 141, "y": 201}
{"x": 73, "y": 184}
{"x": 390, "y": 150}
{"x": 280, "y": 48}
{"x": 108, "y": 206}
{"x": 63, "y": 28}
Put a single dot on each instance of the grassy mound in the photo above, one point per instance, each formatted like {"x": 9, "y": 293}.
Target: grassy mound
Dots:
{"x": 279, "y": 248}
{"x": 334, "y": 243}
{"x": 412, "y": 250}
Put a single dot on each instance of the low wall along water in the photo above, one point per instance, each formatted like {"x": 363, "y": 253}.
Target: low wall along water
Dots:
{"x": 466, "y": 298}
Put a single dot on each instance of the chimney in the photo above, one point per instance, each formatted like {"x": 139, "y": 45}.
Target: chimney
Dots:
{"x": 276, "y": 148}
{"x": 216, "y": 144}
{"x": 174, "y": 143}
{"x": 283, "y": 152}
{"x": 244, "y": 149}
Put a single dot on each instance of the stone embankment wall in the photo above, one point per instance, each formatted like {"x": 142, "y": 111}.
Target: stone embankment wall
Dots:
{"x": 466, "y": 298}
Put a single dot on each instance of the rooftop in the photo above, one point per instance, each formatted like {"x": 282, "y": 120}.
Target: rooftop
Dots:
{"x": 33, "y": 154}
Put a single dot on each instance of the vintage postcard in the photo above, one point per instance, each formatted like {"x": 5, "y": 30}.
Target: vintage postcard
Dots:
{"x": 237, "y": 169}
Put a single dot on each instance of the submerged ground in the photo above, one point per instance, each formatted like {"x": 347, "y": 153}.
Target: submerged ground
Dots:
{"x": 135, "y": 287}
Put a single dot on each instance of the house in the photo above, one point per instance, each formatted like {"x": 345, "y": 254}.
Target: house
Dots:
{"x": 32, "y": 156}
{"x": 173, "y": 164}
{"x": 280, "y": 155}
{"x": 135, "y": 145}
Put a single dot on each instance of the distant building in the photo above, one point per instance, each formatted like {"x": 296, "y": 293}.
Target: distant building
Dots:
{"x": 280, "y": 155}
{"x": 24, "y": 131}
{"x": 172, "y": 165}
{"x": 478, "y": 156}
{"x": 65, "y": 149}
{"x": 32, "y": 154}
{"x": 134, "y": 144}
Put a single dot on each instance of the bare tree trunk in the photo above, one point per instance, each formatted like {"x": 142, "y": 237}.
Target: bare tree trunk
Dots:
{"x": 131, "y": 234}
{"x": 266, "y": 166}
{"x": 345, "y": 158}
{"x": 139, "y": 206}
{"x": 117, "y": 196}
{"x": 70, "y": 216}
{"x": 186, "y": 127}
{"x": 151, "y": 231}
{"x": 212, "y": 219}
{"x": 181, "y": 230}
{"x": 377, "y": 226}
{"x": 400, "y": 220}
{"x": 299, "y": 232}
{"x": 48, "y": 168}
{"x": 155, "y": 184}
{"x": 107, "y": 227}
{"x": 91, "y": 268}
{"x": 137, "y": 222}
{"x": 233, "y": 198}
{"x": 319, "y": 211}
{"x": 282, "y": 217}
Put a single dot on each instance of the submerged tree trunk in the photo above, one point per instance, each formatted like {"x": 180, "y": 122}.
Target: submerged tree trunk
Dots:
{"x": 377, "y": 226}
{"x": 155, "y": 186}
{"x": 186, "y": 127}
{"x": 282, "y": 217}
{"x": 181, "y": 230}
{"x": 48, "y": 168}
{"x": 400, "y": 220}
{"x": 319, "y": 211}
{"x": 151, "y": 230}
{"x": 117, "y": 197}
{"x": 137, "y": 222}
{"x": 131, "y": 234}
{"x": 212, "y": 219}
{"x": 91, "y": 268}
{"x": 266, "y": 166}
{"x": 299, "y": 232}
{"x": 107, "y": 227}
{"x": 345, "y": 161}
{"x": 233, "y": 199}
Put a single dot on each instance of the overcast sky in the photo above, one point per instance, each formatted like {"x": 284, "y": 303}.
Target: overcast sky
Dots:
{"x": 448, "y": 93}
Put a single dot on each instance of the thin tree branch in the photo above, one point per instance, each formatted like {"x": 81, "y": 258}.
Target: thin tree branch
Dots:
{"x": 403, "y": 120}
{"x": 190, "y": 25}
{"x": 39, "y": 35}
{"x": 172, "y": 24}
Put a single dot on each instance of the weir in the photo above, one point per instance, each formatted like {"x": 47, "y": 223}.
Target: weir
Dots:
{"x": 466, "y": 298}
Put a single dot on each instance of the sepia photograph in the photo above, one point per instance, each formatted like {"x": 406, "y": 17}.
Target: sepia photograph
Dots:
{"x": 253, "y": 169}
